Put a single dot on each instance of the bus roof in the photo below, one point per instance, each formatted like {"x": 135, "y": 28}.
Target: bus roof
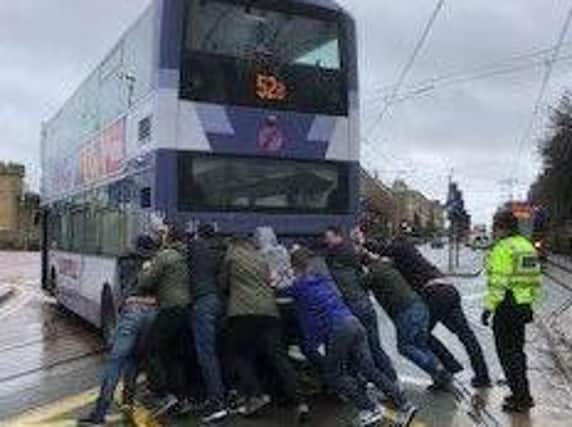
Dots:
{"x": 329, "y": 4}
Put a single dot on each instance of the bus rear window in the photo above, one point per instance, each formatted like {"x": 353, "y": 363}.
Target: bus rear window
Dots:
{"x": 228, "y": 183}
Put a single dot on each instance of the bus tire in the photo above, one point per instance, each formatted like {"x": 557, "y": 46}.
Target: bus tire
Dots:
{"x": 108, "y": 315}
{"x": 51, "y": 282}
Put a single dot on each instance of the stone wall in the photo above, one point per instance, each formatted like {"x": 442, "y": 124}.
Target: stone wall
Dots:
{"x": 19, "y": 211}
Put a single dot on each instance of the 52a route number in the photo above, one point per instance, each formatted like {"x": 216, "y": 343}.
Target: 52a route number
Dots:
{"x": 269, "y": 88}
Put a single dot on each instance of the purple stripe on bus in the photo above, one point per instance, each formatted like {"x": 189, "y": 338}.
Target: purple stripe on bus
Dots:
{"x": 322, "y": 129}
{"x": 259, "y": 132}
{"x": 168, "y": 78}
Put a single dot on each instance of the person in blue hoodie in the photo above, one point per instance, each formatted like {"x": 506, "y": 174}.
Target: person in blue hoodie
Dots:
{"x": 330, "y": 329}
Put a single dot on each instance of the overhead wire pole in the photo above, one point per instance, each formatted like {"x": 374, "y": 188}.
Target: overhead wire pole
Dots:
{"x": 409, "y": 64}
{"x": 544, "y": 85}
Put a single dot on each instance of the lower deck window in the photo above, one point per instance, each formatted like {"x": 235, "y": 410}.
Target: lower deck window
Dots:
{"x": 228, "y": 183}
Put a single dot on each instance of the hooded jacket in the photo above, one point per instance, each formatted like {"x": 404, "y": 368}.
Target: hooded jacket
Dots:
{"x": 246, "y": 275}
{"x": 275, "y": 254}
{"x": 319, "y": 307}
{"x": 167, "y": 277}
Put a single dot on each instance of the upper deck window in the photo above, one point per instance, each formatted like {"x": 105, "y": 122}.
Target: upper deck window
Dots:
{"x": 245, "y": 55}
{"x": 226, "y": 29}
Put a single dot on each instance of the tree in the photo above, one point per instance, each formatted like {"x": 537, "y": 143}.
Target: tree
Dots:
{"x": 553, "y": 187}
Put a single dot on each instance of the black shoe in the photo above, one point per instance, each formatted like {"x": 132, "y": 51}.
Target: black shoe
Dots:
{"x": 235, "y": 402}
{"x": 90, "y": 421}
{"x": 512, "y": 404}
{"x": 302, "y": 413}
{"x": 508, "y": 399}
{"x": 485, "y": 382}
{"x": 441, "y": 381}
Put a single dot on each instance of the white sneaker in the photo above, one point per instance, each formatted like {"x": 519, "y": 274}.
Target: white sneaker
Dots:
{"x": 295, "y": 353}
{"x": 254, "y": 404}
{"x": 368, "y": 418}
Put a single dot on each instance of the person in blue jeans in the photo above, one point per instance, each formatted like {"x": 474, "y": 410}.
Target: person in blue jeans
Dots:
{"x": 344, "y": 264}
{"x": 409, "y": 314}
{"x": 206, "y": 254}
{"x": 128, "y": 339}
{"x": 330, "y": 329}
{"x": 444, "y": 303}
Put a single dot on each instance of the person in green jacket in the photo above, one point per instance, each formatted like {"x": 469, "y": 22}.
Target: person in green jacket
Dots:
{"x": 513, "y": 287}
{"x": 254, "y": 330}
{"x": 167, "y": 277}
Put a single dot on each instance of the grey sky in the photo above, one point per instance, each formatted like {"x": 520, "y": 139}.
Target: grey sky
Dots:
{"x": 48, "y": 47}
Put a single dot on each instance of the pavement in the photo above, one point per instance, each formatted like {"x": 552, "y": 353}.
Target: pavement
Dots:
{"x": 50, "y": 363}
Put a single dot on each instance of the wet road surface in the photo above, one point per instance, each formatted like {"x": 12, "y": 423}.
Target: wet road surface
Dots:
{"x": 51, "y": 360}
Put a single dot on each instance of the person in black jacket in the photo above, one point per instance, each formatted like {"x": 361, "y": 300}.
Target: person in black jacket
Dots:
{"x": 408, "y": 313}
{"x": 206, "y": 254}
{"x": 444, "y": 302}
{"x": 346, "y": 270}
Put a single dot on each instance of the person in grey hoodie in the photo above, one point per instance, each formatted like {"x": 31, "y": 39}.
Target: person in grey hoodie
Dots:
{"x": 276, "y": 255}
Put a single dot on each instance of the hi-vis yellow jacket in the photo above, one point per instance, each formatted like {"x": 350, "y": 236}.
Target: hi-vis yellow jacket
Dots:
{"x": 513, "y": 264}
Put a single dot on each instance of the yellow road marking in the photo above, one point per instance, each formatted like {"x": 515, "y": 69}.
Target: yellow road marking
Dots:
{"x": 393, "y": 416}
{"x": 52, "y": 410}
{"x": 50, "y": 415}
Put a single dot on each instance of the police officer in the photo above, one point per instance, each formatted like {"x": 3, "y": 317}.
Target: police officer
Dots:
{"x": 513, "y": 286}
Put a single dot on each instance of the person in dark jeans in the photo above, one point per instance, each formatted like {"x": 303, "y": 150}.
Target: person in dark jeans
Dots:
{"x": 409, "y": 314}
{"x": 345, "y": 267}
{"x": 128, "y": 339}
{"x": 444, "y": 302}
{"x": 167, "y": 276}
{"x": 333, "y": 333}
{"x": 445, "y": 305}
{"x": 509, "y": 328}
{"x": 206, "y": 253}
{"x": 254, "y": 328}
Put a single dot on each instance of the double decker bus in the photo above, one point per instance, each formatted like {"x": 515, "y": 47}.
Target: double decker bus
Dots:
{"x": 237, "y": 113}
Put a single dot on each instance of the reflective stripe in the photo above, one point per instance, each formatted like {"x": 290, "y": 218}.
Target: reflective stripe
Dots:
{"x": 513, "y": 264}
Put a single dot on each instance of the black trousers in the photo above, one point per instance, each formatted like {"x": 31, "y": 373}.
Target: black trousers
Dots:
{"x": 509, "y": 327}
{"x": 165, "y": 343}
{"x": 258, "y": 339}
{"x": 444, "y": 303}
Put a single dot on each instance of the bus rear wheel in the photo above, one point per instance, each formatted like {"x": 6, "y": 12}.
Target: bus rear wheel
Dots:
{"x": 108, "y": 315}
{"x": 51, "y": 282}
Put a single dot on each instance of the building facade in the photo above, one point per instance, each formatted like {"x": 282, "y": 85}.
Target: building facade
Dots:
{"x": 421, "y": 215}
{"x": 385, "y": 209}
{"x": 19, "y": 210}
{"x": 378, "y": 206}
